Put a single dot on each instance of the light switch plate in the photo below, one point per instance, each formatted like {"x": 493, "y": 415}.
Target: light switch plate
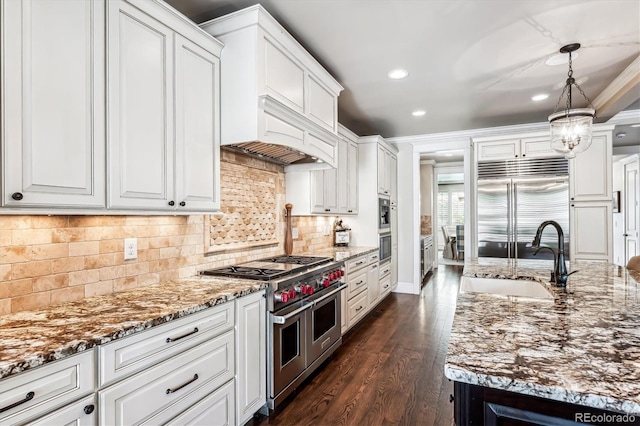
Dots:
{"x": 130, "y": 248}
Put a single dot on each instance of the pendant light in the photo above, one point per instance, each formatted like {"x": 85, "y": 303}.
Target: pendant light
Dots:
{"x": 572, "y": 128}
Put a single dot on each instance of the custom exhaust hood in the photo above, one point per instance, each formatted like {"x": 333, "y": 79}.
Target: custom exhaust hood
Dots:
{"x": 277, "y": 102}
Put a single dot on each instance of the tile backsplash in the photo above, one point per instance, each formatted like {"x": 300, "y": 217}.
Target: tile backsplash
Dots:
{"x": 48, "y": 260}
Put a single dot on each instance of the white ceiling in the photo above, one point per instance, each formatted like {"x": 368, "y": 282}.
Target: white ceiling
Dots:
{"x": 472, "y": 64}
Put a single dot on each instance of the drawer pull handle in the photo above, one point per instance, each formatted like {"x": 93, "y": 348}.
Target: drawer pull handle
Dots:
{"x": 169, "y": 339}
{"x": 359, "y": 282}
{"x": 360, "y": 262}
{"x": 28, "y": 397}
{"x": 358, "y": 309}
{"x": 170, "y": 391}
{"x": 88, "y": 409}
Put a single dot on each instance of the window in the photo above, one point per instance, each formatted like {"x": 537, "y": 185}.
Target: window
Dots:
{"x": 450, "y": 209}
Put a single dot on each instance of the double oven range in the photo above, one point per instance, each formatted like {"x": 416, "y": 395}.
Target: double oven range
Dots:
{"x": 303, "y": 309}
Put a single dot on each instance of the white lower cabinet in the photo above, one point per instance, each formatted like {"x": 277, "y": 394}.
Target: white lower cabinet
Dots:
{"x": 357, "y": 308}
{"x": 80, "y": 413}
{"x": 217, "y": 408}
{"x": 157, "y": 394}
{"x": 374, "y": 283}
{"x": 38, "y": 392}
{"x": 251, "y": 352}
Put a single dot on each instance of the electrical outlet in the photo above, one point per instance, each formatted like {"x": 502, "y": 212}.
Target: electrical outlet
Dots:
{"x": 327, "y": 230}
{"x": 295, "y": 233}
{"x": 130, "y": 248}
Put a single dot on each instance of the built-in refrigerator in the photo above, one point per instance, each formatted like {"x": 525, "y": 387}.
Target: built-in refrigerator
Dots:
{"x": 514, "y": 198}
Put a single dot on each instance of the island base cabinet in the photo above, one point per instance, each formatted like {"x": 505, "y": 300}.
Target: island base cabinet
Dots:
{"x": 479, "y": 405}
{"x": 157, "y": 394}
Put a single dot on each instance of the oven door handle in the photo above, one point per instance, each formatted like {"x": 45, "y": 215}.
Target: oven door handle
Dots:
{"x": 277, "y": 319}
{"x": 326, "y": 296}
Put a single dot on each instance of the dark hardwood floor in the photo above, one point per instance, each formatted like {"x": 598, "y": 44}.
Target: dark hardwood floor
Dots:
{"x": 389, "y": 369}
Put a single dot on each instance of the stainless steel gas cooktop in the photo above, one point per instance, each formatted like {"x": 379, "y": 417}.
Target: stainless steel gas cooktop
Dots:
{"x": 269, "y": 268}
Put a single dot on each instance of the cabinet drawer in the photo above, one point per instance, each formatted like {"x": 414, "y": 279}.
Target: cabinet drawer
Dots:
{"x": 385, "y": 269}
{"x": 356, "y": 264}
{"x": 124, "y": 357}
{"x": 158, "y": 393}
{"x": 80, "y": 413}
{"x": 357, "y": 283}
{"x": 385, "y": 285}
{"x": 217, "y": 408}
{"x": 49, "y": 387}
{"x": 373, "y": 258}
{"x": 357, "y": 307}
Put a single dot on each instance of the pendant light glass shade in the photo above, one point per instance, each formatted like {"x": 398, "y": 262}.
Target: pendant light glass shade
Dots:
{"x": 571, "y": 131}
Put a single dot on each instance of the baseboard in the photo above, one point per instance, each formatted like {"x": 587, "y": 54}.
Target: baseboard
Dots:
{"x": 409, "y": 288}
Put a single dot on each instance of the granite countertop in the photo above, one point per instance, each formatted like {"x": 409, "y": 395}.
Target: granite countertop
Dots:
{"x": 343, "y": 253}
{"x": 584, "y": 348}
{"x": 33, "y": 338}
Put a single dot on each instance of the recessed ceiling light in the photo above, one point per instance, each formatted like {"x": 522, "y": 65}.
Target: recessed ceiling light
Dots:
{"x": 397, "y": 74}
{"x": 560, "y": 58}
{"x": 418, "y": 113}
{"x": 540, "y": 97}
{"x": 635, "y": 125}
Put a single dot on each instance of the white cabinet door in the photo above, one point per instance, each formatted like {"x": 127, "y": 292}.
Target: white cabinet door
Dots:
{"x": 317, "y": 191}
{"x": 141, "y": 157}
{"x": 591, "y": 231}
{"x": 331, "y": 191}
{"x": 352, "y": 178}
{"x": 394, "y": 266}
{"x": 373, "y": 280}
{"x": 537, "y": 148}
{"x": 53, "y": 103}
{"x": 382, "y": 167}
{"x": 342, "y": 178}
{"x": 393, "y": 178}
{"x": 590, "y": 171}
{"x": 251, "y": 351}
{"x": 80, "y": 413}
{"x": 197, "y": 127}
{"x": 498, "y": 150}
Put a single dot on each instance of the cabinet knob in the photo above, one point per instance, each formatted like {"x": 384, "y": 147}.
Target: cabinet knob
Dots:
{"x": 523, "y": 155}
{"x": 350, "y": 211}
{"x": 516, "y": 155}
{"x": 17, "y": 196}
{"x": 572, "y": 198}
{"x": 182, "y": 204}
{"x": 172, "y": 203}
{"x": 573, "y": 205}
{"x": 327, "y": 210}
{"x": 451, "y": 398}
{"x": 88, "y": 409}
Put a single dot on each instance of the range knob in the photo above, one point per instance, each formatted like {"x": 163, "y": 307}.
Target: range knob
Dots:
{"x": 310, "y": 290}
{"x": 326, "y": 282}
{"x": 282, "y": 297}
{"x": 292, "y": 294}
{"x": 333, "y": 276}
{"x": 342, "y": 272}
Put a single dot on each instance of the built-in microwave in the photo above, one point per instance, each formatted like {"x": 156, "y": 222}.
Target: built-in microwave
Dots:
{"x": 385, "y": 247}
{"x": 384, "y": 213}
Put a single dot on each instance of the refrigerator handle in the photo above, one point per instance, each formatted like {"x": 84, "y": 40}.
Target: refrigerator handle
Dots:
{"x": 508, "y": 221}
{"x": 515, "y": 219}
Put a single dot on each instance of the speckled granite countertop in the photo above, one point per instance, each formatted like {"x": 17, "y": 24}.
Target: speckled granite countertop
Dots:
{"x": 584, "y": 348}
{"x": 343, "y": 253}
{"x": 32, "y": 338}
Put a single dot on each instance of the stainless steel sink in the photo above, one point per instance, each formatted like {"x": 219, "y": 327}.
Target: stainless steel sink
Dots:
{"x": 526, "y": 289}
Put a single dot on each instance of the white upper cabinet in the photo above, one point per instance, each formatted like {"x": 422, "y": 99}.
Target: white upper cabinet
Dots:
{"x": 163, "y": 109}
{"x": 273, "y": 90}
{"x": 53, "y": 99}
{"x": 387, "y": 169}
{"x": 512, "y": 147}
{"x": 590, "y": 171}
{"x": 326, "y": 191}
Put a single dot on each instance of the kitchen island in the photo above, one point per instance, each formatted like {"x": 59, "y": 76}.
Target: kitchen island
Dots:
{"x": 582, "y": 349}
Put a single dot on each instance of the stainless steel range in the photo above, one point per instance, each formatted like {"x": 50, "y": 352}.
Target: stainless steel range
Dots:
{"x": 303, "y": 306}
